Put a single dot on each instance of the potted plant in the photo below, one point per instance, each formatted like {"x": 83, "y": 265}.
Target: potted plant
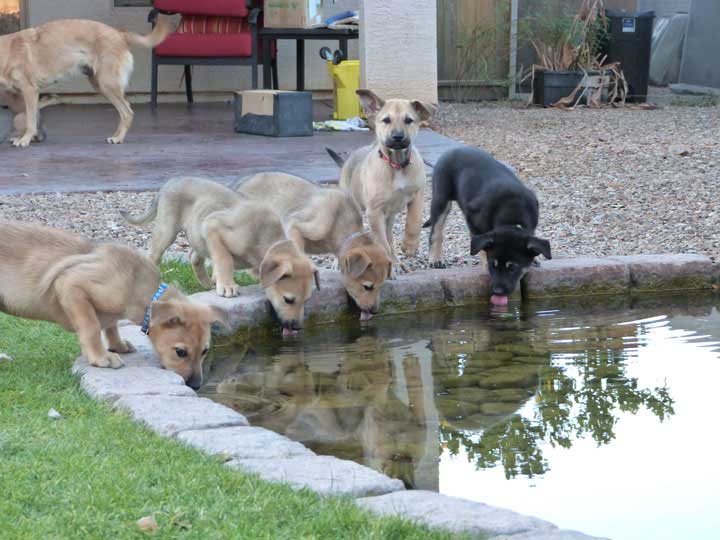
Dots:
{"x": 570, "y": 66}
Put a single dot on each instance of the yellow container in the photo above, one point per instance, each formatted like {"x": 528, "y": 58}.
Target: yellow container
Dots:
{"x": 346, "y": 80}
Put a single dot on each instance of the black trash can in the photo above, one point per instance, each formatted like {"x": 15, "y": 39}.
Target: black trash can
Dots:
{"x": 629, "y": 42}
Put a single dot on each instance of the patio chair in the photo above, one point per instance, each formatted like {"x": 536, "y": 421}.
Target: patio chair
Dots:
{"x": 217, "y": 33}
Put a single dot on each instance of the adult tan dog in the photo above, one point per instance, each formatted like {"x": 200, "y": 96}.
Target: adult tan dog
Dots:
{"x": 87, "y": 287}
{"x": 235, "y": 234}
{"x": 388, "y": 176}
{"x": 323, "y": 220}
{"x": 38, "y": 57}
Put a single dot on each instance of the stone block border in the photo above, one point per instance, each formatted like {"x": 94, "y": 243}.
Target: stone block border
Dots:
{"x": 433, "y": 289}
{"x": 159, "y": 400}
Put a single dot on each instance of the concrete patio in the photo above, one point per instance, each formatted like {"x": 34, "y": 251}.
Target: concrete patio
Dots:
{"x": 177, "y": 140}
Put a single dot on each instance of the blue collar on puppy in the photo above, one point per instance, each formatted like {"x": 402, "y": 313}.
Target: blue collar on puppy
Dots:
{"x": 146, "y": 321}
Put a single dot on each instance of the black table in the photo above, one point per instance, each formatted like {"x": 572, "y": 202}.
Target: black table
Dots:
{"x": 300, "y": 35}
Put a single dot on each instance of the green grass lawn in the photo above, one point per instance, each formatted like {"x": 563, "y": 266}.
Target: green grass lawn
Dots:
{"x": 92, "y": 474}
{"x": 181, "y": 275}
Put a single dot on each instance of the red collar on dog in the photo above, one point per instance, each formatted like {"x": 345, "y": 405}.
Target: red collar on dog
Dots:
{"x": 396, "y": 166}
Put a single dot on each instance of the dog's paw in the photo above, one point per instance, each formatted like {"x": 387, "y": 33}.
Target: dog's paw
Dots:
{"x": 228, "y": 291}
{"x": 409, "y": 249}
{"x": 108, "y": 360}
{"x": 114, "y": 140}
{"x": 437, "y": 264}
{"x": 21, "y": 142}
{"x": 123, "y": 347}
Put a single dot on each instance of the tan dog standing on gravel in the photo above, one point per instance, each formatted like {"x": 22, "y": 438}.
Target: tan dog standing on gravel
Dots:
{"x": 388, "y": 176}
{"x": 235, "y": 234}
{"x": 323, "y": 220}
{"x": 38, "y": 57}
{"x": 87, "y": 287}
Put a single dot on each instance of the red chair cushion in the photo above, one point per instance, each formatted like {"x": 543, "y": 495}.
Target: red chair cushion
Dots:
{"x": 206, "y": 45}
{"x": 204, "y": 24}
{"x": 233, "y": 8}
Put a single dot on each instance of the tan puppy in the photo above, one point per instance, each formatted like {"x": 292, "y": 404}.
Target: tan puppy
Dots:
{"x": 86, "y": 288}
{"x": 323, "y": 220}
{"x": 38, "y": 57}
{"x": 234, "y": 233}
{"x": 388, "y": 176}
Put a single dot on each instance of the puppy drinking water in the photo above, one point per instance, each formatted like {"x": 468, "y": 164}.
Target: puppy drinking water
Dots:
{"x": 500, "y": 211}
{"x": 388, "y": 176}
{"x": 38, "y": 57}
{"x": 86, "y": 288}
{"x": 234, "y": 233}
{"x": 324, "y": 220}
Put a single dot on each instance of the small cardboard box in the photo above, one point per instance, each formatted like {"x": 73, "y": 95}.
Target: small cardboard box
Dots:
{"x": 292, "y": 13}
{"x": 274, "y": 113}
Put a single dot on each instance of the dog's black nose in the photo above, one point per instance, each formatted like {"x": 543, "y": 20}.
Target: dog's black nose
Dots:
{"x": 292, "y": 325}
{"x": 398, "y": 137}
{"x": 499, "y": 290}
{"x": 195, "y": 382}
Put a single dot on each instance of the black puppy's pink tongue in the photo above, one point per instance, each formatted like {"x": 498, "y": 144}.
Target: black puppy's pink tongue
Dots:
{"x": 498, "y": 300}
{"x": 289, "y": 332}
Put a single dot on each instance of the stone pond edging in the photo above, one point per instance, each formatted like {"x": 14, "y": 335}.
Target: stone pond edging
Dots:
{"x": 433, "y": 289}
{"x": 160, "y": 400}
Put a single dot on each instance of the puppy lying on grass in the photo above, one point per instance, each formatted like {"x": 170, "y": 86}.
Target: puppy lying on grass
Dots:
{"x": 87, "y": 287}
{"x": 236, "y": 234}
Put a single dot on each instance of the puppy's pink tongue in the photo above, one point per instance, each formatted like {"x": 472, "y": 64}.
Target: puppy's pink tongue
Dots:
{"x": 499, "y": 300}
{"x": 289, "y": 332}
{"x": 365, "y": 315}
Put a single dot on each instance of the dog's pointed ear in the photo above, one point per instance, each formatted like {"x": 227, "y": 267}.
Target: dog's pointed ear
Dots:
{"x": 424, "y": 110}
{"x": 166, "y": 313}
{"x": 480, "y": 242}
{"x": 316, "y": 276}
{"x": 538, "y": 246}
{"x": 272, "y": 270}
{"x": 356, "y": 262}
{"x": 369, "y": 101}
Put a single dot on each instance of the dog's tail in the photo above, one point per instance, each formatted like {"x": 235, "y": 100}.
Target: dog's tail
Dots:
{"x": 336, "y": 157}
{"x": 148, "y": 216}
{"x": 62, "y": 265}
{"x": 427, "y": 224}
{"x": 162, "y": 30}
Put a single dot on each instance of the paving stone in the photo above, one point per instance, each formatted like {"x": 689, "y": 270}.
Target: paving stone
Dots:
{"x": 249, "y": 309}
{"x": 459, "y": 516}
{"x": 169, "y": 415}
{"x": 244, "y": 443}
{"x": 112, "y": 384}
{"x": 330, "y": 301}
{"x": 670, "y": 272}
{"x": 421, "y": 289}
{"x": 325, "y": 475}
{"x": 465, "y": 285}
{"x": 556, "y": 534}
{"x": 577, "y": 277}
{"x": 144, "y": 356}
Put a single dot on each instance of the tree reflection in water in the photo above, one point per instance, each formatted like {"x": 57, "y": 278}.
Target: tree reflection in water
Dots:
{"x": 580, "y": 399}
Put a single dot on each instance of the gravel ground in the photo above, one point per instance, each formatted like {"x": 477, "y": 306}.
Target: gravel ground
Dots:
{"x": 610, "y": 182}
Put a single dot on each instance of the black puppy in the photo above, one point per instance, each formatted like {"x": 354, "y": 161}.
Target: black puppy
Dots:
{"x": 501, "y": 213}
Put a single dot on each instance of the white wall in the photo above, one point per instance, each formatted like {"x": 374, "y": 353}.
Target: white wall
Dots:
{"x": 210, "y": 79}
{"x": 398, "y": 48}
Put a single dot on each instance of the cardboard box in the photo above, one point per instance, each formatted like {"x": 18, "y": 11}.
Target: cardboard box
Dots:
{"x": 292, "y": 13}
{"x": 274, "y": 113}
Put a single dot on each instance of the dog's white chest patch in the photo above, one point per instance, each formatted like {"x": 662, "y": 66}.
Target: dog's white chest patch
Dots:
{"x": 405, "y": 185}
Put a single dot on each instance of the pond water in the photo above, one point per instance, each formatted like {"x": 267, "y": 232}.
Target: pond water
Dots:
{"x": 600, "y": 418}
